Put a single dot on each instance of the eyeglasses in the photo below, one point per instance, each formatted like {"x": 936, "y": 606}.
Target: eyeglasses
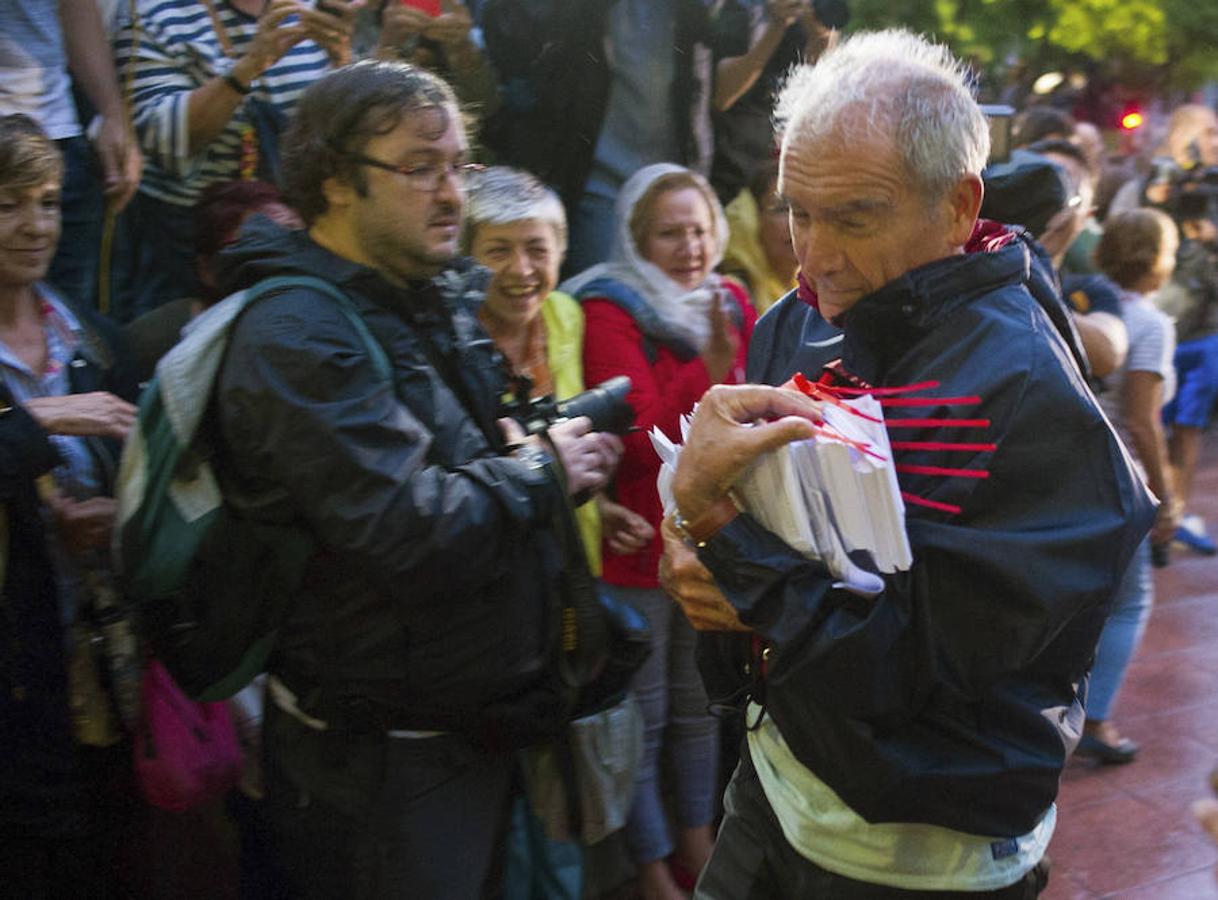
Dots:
{"x": 425, "y": 177}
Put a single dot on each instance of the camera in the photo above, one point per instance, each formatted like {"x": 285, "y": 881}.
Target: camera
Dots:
{"x": 604, "y": 404}
{"x": 1184, "y": 194}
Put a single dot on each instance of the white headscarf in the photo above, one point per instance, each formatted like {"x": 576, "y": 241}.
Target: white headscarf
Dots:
{"x": 685, "y": 314}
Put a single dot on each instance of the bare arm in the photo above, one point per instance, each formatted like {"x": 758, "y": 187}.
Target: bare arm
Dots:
{"x": 1105, "y": 341}
{"x": 736, "y": 74}
{"x": 213, "y": 103}
{"x": 91, "y": 62}
{"x": 1142, "y": 403}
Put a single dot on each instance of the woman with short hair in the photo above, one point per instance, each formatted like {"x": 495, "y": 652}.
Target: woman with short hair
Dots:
{"x": 67, "y": 800}
{"x": 1138, "y": 252}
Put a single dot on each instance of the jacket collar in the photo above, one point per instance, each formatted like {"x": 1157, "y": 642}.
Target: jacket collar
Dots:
{"x": 882, "y": 326}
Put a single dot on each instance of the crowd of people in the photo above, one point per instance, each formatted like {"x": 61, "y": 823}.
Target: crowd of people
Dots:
{"x": 522, "y": 199}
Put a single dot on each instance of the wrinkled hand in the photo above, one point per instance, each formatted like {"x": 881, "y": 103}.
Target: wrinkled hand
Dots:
{"x": 721, "y": 443}
{"x": 96, "y": 414}
{"x": 121, "y": 161}
{"x": 720, "y": 354}
{"x": 333, "y": 27}
{"x": 690, "y": 583}
{"x": 83, "y": 525}
{"x": 625, "y": 531}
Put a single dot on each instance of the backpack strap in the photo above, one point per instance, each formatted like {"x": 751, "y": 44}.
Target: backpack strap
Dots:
{"x": 280, "y": 283}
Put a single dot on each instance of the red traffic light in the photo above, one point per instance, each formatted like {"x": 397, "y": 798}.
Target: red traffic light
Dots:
{"x": 1132, "y": 120}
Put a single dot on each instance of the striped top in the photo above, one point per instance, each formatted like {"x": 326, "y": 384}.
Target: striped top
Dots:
{"x": 174, "y": 49}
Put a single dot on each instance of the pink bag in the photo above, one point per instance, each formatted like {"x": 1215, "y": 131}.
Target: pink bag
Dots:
{"x": 186, "y": 752}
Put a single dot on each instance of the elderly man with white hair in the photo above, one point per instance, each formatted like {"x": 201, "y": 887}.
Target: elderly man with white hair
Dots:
{"x": 907, "y": 743}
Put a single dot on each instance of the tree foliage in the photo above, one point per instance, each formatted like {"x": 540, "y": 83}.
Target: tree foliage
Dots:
{"x": 1170, "y": 42}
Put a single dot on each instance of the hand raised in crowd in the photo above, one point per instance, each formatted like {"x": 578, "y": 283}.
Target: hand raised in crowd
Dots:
{"x": 96, "y": 414}
{"x": 83, "y": 525}
{"x": 625, "y": 531}
{"x": 820, "y": 36}
{"x": 785, "y": 13}
{"x": 691, "y": 584}
{"x": 720, "y": 352}
{"x": 732, "y": 426}
{"x": 121, "y": 161}
{"x": 451, "y": 29}
{"x": 275, "y": 37}
{"x": 399, "y": 23}
{"x": 331, "y": 24}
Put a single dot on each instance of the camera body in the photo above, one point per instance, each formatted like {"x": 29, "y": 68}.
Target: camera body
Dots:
{"x": 1184, "y": 194}
{"x": 604, "y": 404}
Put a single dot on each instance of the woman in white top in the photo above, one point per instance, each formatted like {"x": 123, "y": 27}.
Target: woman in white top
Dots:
{"x": 1138, "y": 252}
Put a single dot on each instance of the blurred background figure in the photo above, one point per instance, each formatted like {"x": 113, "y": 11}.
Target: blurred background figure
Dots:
{"x": 222, "y": 210}
{"x": 1138, "y": 252}
{"x": 1039, "y": 123}
{"x": 782, "y": 33}
{"x": 1048, "y": 189}
{"x": 658, "y": 313}
{"x": 595, "y": 91}
{"x": 440, "y": 36}
{"x": 41, "y": 44}
{"x": 1094, "y": 299}
{"x": 759, "y": 252}
{"x": 70, "y": 819}
{"x": 213, "y": 82}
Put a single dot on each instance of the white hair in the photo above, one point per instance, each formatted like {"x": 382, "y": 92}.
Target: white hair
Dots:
{"x": 896, "y": 85}
{"x": 501, "y": 195}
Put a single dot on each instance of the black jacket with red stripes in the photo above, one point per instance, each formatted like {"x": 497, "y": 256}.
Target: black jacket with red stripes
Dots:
{"x": 954, "y": 697}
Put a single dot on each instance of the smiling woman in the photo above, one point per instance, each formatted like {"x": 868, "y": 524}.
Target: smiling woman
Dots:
{"x": 517, "y": 228}
{"x": 59, "y": 425}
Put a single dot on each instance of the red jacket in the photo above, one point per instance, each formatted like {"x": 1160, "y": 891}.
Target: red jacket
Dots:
{"x": 662, "y": 392}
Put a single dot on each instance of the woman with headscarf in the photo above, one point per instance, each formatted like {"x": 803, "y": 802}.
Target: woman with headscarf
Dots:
{"x": 658, "y": 313}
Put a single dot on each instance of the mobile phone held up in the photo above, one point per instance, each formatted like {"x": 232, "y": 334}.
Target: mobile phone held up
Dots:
{"x": 431, "y": 7}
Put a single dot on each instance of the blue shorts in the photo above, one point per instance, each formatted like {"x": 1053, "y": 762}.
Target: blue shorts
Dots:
{"x": 1197, "y": 375}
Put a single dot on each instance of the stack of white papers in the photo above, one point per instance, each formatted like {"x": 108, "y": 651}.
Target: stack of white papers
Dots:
{"x": 834, "y": 497}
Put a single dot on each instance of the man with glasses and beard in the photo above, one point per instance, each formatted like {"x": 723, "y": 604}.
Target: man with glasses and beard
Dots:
{"x": 422, "y": 610}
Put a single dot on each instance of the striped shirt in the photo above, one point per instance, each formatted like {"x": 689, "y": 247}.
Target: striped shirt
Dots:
{"x": 33, "y": 67}
{"x": 173, "y": 49}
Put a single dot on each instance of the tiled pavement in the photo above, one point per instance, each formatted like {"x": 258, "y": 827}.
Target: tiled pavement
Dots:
{"x": 1126, "y": 831}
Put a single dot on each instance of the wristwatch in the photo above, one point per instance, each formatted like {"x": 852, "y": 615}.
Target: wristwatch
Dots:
{"x": 533, "y": 456}
{"x": 697, "y": 532}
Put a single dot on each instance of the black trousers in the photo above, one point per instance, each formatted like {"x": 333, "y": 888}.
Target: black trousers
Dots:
{"x": 364, "y": 817}
{"x": 754, "y": 861}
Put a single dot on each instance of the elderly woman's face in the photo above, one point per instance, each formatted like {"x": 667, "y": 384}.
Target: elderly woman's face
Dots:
{"x": 29, "y": 232}
{"x": 524, "y": 259}
{"x": 680, "y": 237}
